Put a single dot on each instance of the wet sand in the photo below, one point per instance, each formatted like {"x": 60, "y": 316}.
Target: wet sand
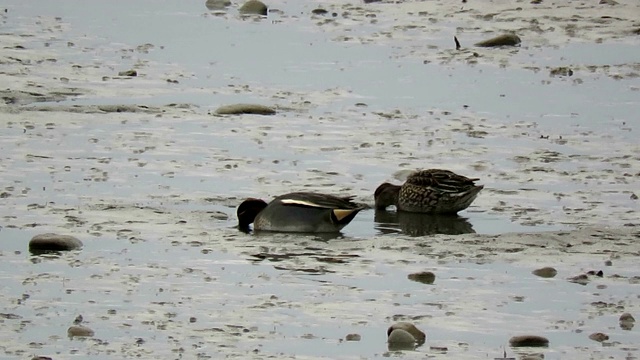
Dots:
{"x": 150, "y": 186}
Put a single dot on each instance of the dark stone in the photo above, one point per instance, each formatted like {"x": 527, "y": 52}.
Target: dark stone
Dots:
{"x": 545, "y": 272}
{"x": 425, "y": 277}
{"x": 53, "y": 242}
{"x": 529, "y": 340}
{"x": 79, "y": 331}
{"x": 254, "y": 7}
{"x": 502, "y": 40}
{"x": 237, "y": 109}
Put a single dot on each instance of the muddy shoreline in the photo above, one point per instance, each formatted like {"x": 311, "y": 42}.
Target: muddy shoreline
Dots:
{"x": 144, "y": 172}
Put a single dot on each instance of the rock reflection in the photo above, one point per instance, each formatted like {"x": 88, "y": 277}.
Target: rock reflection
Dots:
{"x": 416, "y": 224}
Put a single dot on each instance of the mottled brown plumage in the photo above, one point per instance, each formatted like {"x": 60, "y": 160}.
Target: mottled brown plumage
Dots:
{"x": 434, "y": 191}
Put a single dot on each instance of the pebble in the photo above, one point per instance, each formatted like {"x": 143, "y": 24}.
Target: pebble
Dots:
{"x": 425, "y": 277}
{"x": 353, "y": 337}
{"x": 528, "y": 340}
{"x": 599, "y": 337}
{"x": 79, "y": 330}
{"x": 627, "y": 321}
{"x": 400, "y": 336}
{"x": 53, "y": 242}
{"x": 501, "y": 40}
{"x": 402, "y": 329}
{"x": 253, "y": 7}
{"x": 545, "y": 272}
{"x": 237, "y": 109}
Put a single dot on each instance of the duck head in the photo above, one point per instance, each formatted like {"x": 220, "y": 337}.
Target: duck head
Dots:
{"x": 385, "y": 195}
{"x": 247, "y": 212}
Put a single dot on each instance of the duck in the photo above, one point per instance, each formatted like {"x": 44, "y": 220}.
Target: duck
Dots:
{"x": 432, "y": 191}
{"x": 302, "y": 212}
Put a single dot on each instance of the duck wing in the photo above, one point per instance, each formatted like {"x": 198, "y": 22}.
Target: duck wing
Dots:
{"x": 443, "y": 180}
{"x": 316, "y": 200}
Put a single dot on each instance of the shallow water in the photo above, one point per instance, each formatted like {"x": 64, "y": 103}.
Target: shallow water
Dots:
{"x": 193, "y": 300}
{"x": 152, "y": 195}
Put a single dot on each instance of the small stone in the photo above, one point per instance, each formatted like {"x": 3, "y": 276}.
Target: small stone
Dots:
{"x": 501, "y": 40}
{"x": 400, "y": 336}
{"x": 417, "y": 335}
{"x": 529, "y": 341}
{"x": 254, "y": 7}
{"x": 627, "y": 321}
{"x": 79, "y": 331}
{"x": 627, "y": 317}
{"x": 425, "y": 277}
{"x": 41, "y": 358}
{"x": 237, "y": 109}
{"x": 353, "y": 337}
{"x": 599, "y": 337}
{"x": 53, "y": 242}
{"x": 545, "y": 272}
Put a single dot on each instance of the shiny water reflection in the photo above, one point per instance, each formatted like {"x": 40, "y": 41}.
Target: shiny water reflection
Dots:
{"x": 416, "y": 224}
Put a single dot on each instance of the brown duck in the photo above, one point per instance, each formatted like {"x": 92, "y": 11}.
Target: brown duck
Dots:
{"x": 433, "y": 191}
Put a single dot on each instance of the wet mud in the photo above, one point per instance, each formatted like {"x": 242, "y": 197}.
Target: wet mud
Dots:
{"x": 147, "y": 176}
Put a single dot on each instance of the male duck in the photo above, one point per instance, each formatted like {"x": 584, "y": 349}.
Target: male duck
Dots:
{"x": 433, "y": 191}
{"x": 298, "y": 212}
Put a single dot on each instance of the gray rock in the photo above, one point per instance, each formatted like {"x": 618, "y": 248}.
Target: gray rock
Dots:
{"x": 353, "y": 337}
{"x": 425, "y": 277}
{"x": 545, "y": 272}
{"x": 400, "y": 339}
{"x": 400, "y": 336}
{"x": 237, "y": 109}
{"x": 627, "y": 321}
{"x": 599, "y": 337}
{"x": 502, "y": 40}
{"x": 79, "y": 331}
{"x": 253, "y": 7}
{"x": 397, "y": 333}
{"x": 53, "y": 242}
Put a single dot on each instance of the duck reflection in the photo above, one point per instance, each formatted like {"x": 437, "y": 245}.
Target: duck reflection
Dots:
{"x": 418, "y": 224}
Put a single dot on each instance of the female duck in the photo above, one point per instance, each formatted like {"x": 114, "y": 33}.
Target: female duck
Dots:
{"x": 298, "y": 212}
{"x": 433, "y": 191}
